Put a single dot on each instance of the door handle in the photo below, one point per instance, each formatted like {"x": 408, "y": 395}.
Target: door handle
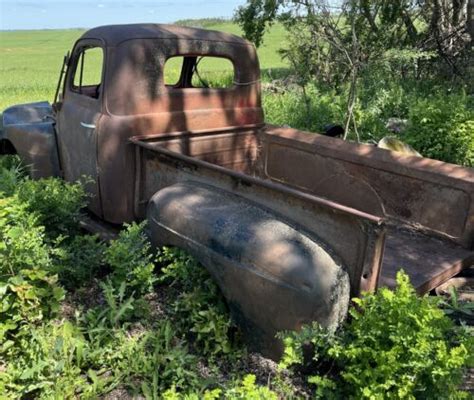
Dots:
{"x": 88, "y": 126}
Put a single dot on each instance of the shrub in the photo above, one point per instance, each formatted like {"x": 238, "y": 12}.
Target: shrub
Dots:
{"x": 67, "y": 360}
{"x": 248, "y": 390}
{"x": 131, "y": 259}
{"x": 46, "y": 363}
{"x": 397, "y": 345}
{"x": 29, "y": 291}
{"x": 156, "y": 360}
{"x": 57, "y": 204}
{"x": 290, "y": 108}
{"x": 442, "y": 127}
{"x": 78, "y": 260}
{"x": 245, "y": 389}
{"x": 200, "y": 307}
{"x": 11, "y": 174}
{"x": 116, "y": 312}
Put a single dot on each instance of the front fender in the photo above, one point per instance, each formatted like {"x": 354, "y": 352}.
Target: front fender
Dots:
{"x": 273, "y": 276}
{"x": 29, "y": 128}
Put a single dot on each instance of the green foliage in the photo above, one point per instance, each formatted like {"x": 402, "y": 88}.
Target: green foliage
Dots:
{"x": 245, "y": 389}
{"x": 78, "y": 260}
{"x": 442, "y": 127}
{"x": 29, "y": 292}
{"x": 46, "y": 363}
{"x": 11, "y": 174}
{"x": 200, "y": 308}
{"x": 454, "y": 306}
{"x": 62, "y": 361}
{"x": 255, "y": 16}
{"x": 396, "y": 345}
{"x": 117, "y": 311}
{"x": 163, "y": 361}
{"x": 290, "y": 108}
{"x": 57, "y": 203}
{"x": 248, "y": 390}
{"x": 131, "y": 259}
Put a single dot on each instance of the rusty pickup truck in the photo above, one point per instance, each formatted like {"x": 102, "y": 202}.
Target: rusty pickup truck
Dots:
{"x": 290, "y": 224}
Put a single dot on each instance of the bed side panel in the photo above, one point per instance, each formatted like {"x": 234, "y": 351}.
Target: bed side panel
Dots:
{"x": 413, "y": 191}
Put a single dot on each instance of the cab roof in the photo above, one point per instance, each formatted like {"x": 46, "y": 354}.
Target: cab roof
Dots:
{"x": 113, "y": 35}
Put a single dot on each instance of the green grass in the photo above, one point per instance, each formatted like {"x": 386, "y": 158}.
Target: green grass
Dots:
{"x": 30, "y": 64}
{"x": 31, "y": 60}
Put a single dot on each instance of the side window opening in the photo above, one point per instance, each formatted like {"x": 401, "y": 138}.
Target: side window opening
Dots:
{"x": 88, "y": 72}
{"x": 199, "y": 72}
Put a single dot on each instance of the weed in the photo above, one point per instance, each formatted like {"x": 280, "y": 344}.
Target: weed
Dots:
{"x": 29, "y": 292}
{"x": 57, "y": 204}
{"x": 396, "y": 345}
{"x": 78, "y": 260}
{"x": 244, "y": 389}
{"x": 11, "y": 174}
{"x": 131, "y": 259}
{"x": 200, "y": 307}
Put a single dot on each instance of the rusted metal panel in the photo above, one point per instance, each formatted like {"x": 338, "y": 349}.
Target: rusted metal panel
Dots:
{"x": 30, "y": 130}
{"x": 259, "y": 260}
{"x": 332, "y": 223}
{"x": 426, "y": 194}
{"x": 78, "y": 126}
{"x": 113, "y": 35}
{"x": 427, "y": 260}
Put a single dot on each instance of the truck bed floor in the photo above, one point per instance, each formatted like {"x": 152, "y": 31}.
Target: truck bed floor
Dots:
{"x": 428, "y": 261}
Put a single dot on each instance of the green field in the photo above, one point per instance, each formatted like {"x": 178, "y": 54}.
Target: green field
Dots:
{"x": 30, "y": 60}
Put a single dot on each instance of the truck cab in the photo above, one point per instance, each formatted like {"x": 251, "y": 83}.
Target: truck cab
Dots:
{"x": 117, "y": 86}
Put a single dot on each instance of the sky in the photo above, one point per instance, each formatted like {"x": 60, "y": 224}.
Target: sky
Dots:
{"x": 55, "y": 14}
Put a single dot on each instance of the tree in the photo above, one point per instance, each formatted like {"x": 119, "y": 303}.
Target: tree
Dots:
{"x": 338, "y": 42}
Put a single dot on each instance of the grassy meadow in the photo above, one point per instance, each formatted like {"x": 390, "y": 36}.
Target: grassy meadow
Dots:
{"x": 31, "y": 60}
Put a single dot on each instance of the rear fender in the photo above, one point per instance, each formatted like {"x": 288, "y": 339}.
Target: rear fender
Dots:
{"x": 274, "y": 276}
{"x": 29, "y": 129}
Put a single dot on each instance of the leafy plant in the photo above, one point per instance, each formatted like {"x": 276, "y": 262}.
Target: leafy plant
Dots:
{"x": 441, "y": 127}
{"x": 48, "y": 361}
{"x": 200, "y": 307}
{"x": 248, "y": 390}
{"x": 78, "y": 260}
{"x": 28, "y": 290}
{"x": 244, "y": 389}
{"x": 397, "y": 345}
{"x": 131, "y": 259}
{"x": 118, "y": 307}
{"x": 454, "y": 307}
{"x": 156, "y": 360}
{"x": 11, "y": 174}
{"x": 56, "y": 202}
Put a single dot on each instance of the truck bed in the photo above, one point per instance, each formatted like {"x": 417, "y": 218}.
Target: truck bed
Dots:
{"x": 368, "y": 184}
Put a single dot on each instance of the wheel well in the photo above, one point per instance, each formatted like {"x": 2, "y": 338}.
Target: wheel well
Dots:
{"x": 6, "y": 147}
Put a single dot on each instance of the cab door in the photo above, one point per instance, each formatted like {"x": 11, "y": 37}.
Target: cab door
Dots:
{"x": 78, "y": 118}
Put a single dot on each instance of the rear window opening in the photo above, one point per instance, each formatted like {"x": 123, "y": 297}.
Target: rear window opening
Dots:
{"x": 199, "y": 72}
